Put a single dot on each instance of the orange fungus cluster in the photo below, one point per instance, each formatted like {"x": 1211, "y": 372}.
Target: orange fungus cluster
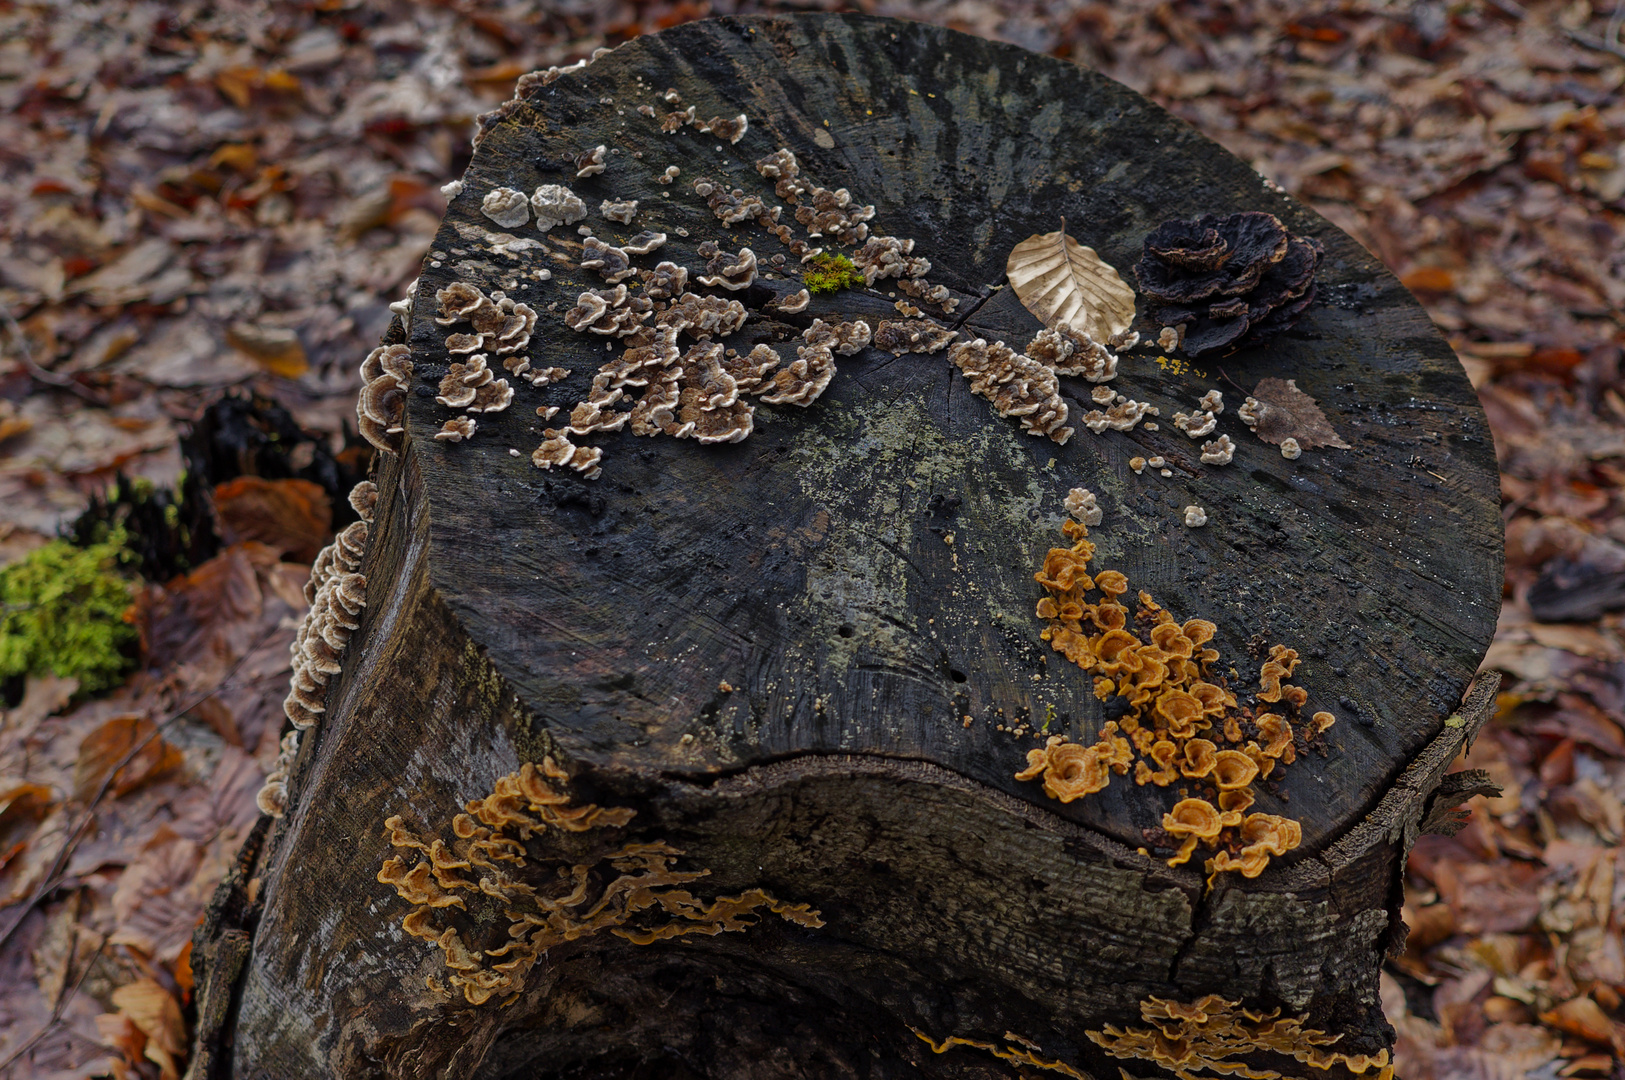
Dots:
{"x": 1177, "y": 722}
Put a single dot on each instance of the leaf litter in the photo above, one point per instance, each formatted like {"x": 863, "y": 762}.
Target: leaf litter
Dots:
{"x": 233, "y": 202}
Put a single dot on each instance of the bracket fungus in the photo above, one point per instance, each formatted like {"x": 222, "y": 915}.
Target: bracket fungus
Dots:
{"x": 1219, "y": 451}
{"x": 796, "y": 301}
{"x": 557, "y": 449}
{"x": 731, "y": 272}
{"x": 618, "y": 210}
{"x": 506, "y": 206}
{"x": 337, "y": 593}
{"x": 1195, "y": 517}
{"x": 555, "y": 204}
{"x": 456, "y": 429}
{"x": 1174, "y": 715}
{"x": 590, "y": 162}
{"x": 665, "y": 282}
{"x": 1291, "y": 450}
{"x": 1196, "y": 425}
{"x": 1017, "y": 386}
{"x": 730, "y": 129}
{"x": 1234, "y": 280}
{"x": 386, "y": 376}
{"x": 612, "y": 263}
{"x": 503, "y": 847}
{"x": 1081, "y": 504}
{"x": 1212, "y": 1036}
{"x": 910, "y": 336}
{"x": 272, "y": 798}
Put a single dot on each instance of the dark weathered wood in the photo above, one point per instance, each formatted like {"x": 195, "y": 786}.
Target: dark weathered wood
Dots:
{"x": 767, "y": 649}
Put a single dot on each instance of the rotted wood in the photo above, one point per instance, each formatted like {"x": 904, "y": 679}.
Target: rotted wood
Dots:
{"x": 809, "y": 660}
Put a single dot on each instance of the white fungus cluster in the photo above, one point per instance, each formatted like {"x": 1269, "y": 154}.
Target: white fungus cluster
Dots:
{"x": 336, "y": 593}
{"x": 1081, "y": 504}
{"x": 506, "y": 206}
{"x": 380, "y": 408}
{"x": 556, "y": 204}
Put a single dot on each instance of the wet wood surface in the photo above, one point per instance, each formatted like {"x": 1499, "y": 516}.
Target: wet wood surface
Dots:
{"x": 810, "y": 659}
{"x": 860, "y": 571}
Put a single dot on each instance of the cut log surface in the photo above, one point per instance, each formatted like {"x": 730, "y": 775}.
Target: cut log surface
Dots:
{"x": 809, "y": 661}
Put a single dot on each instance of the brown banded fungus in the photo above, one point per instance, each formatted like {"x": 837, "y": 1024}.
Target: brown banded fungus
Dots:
{"x": 911, "y": 336}
{"x": 730, "y": 129}
{"x": 886, "y": 257}
{"x": 846, "y": 338}
{"x": 386, "y": 376}
{"x": 1232, "y": 281}
{"x": 557, "y": 449}
{"x": 644, "y": 242}
{"x": 611, "y": 312}
{"x": 1196, "y": 425}
{"x": 673, "y": 122}
{"x": 1017, "y": 386}
{"x": 590, "y": 163}
{"x": 796, "y": 301}
{"x": 555, "y": 204}
{"x": 457, "y": 429}
{"x": 272, "y": 798}
{"x": 612, "y": 263}
{"x": 731, "y": 272}
{"x": 1067, "y": 352}
{"x": 665, "y": 282}
{"x": 703, "y": 316}
{"x": 1219, "y": 451}
{"x": 733, "y": 206}
{"x": 506, "y": 206}
{"x": 337, "y": 593}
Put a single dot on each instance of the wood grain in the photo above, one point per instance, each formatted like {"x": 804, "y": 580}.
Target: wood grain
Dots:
{"x": 768, "y": 649}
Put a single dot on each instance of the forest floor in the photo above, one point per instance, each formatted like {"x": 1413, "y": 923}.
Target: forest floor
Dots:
{"x": 198, "y": 199}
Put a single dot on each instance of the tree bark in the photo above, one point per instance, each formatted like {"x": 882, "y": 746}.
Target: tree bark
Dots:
{"x": 806, "y": 664}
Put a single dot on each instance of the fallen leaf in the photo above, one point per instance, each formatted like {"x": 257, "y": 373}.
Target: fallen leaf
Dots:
{"x": 151, "y": 1009}
{"x": 1067, "y": 285}
{"x": 291, "y": 516}
{"x": 275, "y": 348}
{"x": 104, "y": 748}
{"x": 1583, "y": 1017}
{"x": 1285, "y": 412}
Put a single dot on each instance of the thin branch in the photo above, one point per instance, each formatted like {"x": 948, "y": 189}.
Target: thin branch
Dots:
{"x": 43, "y": 375}
{"x": 56, "y": 1014}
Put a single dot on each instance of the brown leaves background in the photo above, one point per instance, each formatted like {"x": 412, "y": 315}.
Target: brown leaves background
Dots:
{"x": 229, "y": 195}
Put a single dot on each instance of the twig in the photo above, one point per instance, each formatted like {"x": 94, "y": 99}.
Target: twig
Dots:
{"x": 42, "y": 375}
{"x": 50, "y": 881}
{"x": 56, "y": 1013}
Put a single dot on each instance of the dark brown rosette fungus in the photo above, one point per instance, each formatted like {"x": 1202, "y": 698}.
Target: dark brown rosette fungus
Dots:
{"x": 1233, "y": 281}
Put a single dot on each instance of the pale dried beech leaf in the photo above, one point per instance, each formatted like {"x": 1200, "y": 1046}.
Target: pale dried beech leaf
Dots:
{"x": 1067, "y": 286}
{"x": 1285, "y": 412}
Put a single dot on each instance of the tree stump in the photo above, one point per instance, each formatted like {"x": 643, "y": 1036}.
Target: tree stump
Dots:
{"x": 707, "y": 765}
